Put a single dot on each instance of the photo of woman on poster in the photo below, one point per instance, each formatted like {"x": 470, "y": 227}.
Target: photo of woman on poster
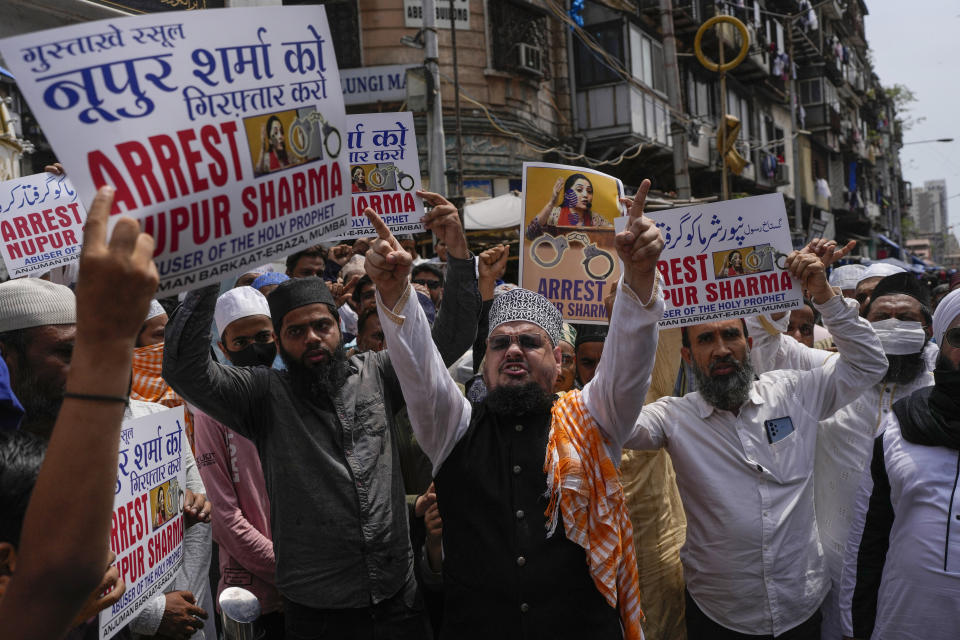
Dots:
{"x": 358, "y": 180}
{"x": 733, "y": 265}
{"x": 575, "y": 210}
{"x": 273, "y": 152}
{"x": 161, "y": 514}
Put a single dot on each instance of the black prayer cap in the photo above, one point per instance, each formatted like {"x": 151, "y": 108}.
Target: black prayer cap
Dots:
{"x": 591, "y": 333}
{"x": 296, "y": 293}
{"x": 902, "y": 283}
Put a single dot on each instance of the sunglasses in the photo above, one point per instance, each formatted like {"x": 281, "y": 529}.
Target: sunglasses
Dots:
{"x": 430, "y": 284}
{"x": 953, "y": 337}
{"x": 526, "y": 341}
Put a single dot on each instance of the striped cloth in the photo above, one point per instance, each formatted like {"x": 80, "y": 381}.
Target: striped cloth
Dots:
{"x": 584, "y": 488}
{"x": 149, "y": 385}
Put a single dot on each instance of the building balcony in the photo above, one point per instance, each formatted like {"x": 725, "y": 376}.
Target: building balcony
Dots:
{"x": 618, "y": 110}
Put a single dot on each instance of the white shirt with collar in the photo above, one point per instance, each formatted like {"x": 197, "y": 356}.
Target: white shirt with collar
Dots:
{"x": 753, "y": 561}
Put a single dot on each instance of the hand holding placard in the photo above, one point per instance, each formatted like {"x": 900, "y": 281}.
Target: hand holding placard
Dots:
{"x": 639, "y": 245}
{"x": 809, "y": 270}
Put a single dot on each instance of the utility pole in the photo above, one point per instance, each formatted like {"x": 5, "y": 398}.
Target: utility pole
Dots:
{"x": 678, "y": 132}
{"x": 792, "y": 91}
{"x": 724, "y": 183}
{"x": 456, "y": 97}
{"x": 436, "y": 142}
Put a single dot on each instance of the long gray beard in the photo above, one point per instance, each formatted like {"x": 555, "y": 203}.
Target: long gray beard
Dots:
{"x": 726, "y": 392}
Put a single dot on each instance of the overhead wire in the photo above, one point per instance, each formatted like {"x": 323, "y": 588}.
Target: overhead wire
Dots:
{"x": 628, "y": 154}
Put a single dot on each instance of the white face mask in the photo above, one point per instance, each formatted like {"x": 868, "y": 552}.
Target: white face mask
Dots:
{"x": 900, "y": 337}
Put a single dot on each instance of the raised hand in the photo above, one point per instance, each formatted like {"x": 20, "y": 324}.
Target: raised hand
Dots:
{"x": 491, "y": 265}
{"x": 639, "y": 245}
{"x": 116, "y": 280}
{"x": 827, "y": 250}
{"x": 387, "y": 264}
{"x": 809, "y": 270}
{"x": 557, "y": 187}
{"x": 342, "y": 291}
{"x": 340, "y": 254}
{"x": 444, "y": 220}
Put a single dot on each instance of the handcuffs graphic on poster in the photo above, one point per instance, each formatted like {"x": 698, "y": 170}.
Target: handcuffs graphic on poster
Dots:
{"x": 563, "y": 242}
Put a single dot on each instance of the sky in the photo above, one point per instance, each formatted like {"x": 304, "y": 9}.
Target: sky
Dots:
{"x": 917, "y": 44}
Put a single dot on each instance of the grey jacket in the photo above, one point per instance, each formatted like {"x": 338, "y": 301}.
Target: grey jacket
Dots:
{"x": 332, "y": 471}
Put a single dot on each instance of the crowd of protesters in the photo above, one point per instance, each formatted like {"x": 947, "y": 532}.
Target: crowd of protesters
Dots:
{"x": 388, "y": 446}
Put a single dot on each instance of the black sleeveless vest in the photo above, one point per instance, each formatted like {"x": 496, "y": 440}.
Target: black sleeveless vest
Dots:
{"x": 502, "y": 577}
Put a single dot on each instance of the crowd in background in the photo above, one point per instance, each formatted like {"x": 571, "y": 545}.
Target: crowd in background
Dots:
{"x": 383, "y": 445}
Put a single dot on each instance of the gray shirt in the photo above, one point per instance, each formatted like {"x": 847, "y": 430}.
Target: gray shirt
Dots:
{"x": 337, "y": 500}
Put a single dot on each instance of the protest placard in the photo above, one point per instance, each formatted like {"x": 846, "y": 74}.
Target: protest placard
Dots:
{"x": 220, "y": 129}
{"x": 147, "y": 528}
{"x": 41, "y": 223}
{"x": 725, "y": 260}
{"x": 384, "y": 173}
{"x": 567, "y": 251}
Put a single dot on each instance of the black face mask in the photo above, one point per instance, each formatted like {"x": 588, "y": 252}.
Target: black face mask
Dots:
{"x": 255, "y": 354}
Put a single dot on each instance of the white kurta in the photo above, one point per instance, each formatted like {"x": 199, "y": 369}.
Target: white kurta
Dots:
{"x": 753, "y": 561}
{"x": 919, "y": 593}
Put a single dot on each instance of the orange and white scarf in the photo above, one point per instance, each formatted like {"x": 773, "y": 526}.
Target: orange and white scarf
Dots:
{"x": 149, "y": 385}
{"x": 584, "y": 489}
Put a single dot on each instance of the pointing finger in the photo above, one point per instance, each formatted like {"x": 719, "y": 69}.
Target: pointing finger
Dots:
{"x": 383, "y": 231}
{"x": 354, "y": 279}
{"x": 95, "y": 228}
{"x": 640, "y": 200}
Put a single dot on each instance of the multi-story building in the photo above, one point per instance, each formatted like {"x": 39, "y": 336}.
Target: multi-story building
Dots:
{"x": 587, "y": 82}
{"x": 930, "y": 207}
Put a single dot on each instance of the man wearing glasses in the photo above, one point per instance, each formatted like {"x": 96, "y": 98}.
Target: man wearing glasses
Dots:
{"x": 536, "y": 536}
{"x": 428, "y": 278}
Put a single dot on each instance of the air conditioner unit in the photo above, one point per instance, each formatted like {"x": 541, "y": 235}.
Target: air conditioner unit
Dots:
{"x": 529, "y": 58}
{"x": 783, "y": 175}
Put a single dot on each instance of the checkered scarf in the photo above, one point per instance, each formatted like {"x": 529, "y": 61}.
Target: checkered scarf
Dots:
{"x": 149, "y": 385}
{"x": 584, "y": 489}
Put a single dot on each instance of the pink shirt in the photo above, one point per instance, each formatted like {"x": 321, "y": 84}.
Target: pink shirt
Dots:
{"x": 231, "y": 471}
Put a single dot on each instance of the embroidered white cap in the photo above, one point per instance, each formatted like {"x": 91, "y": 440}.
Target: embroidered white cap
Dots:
{"x": 31, "y": 302}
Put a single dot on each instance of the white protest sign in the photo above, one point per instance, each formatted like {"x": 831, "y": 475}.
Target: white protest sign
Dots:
{"x": 41, "y": 224}
{"x": 384, "y": 173}
{"x": 221, "y": 129}
{"x": 147, "y": 528}
{"x": 725, "y": 260}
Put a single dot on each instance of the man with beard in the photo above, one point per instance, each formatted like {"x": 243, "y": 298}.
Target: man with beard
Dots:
{"x": 37, "y": 333}
{"x": 536, "y": 536}
{"x": 743, "y": 451}
{"x": 323, "y": 429}
{"x": 899, "y": 312}
{"x": 901, "y": 574}
{"x": 231, "y": 469}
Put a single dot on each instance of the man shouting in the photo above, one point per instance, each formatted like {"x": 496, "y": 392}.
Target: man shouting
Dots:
{"x": 533, "y": 512}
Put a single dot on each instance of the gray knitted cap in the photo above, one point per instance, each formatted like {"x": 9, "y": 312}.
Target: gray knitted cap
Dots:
{"x": 522, "y": 305}
{"x": 31, "y": 302}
